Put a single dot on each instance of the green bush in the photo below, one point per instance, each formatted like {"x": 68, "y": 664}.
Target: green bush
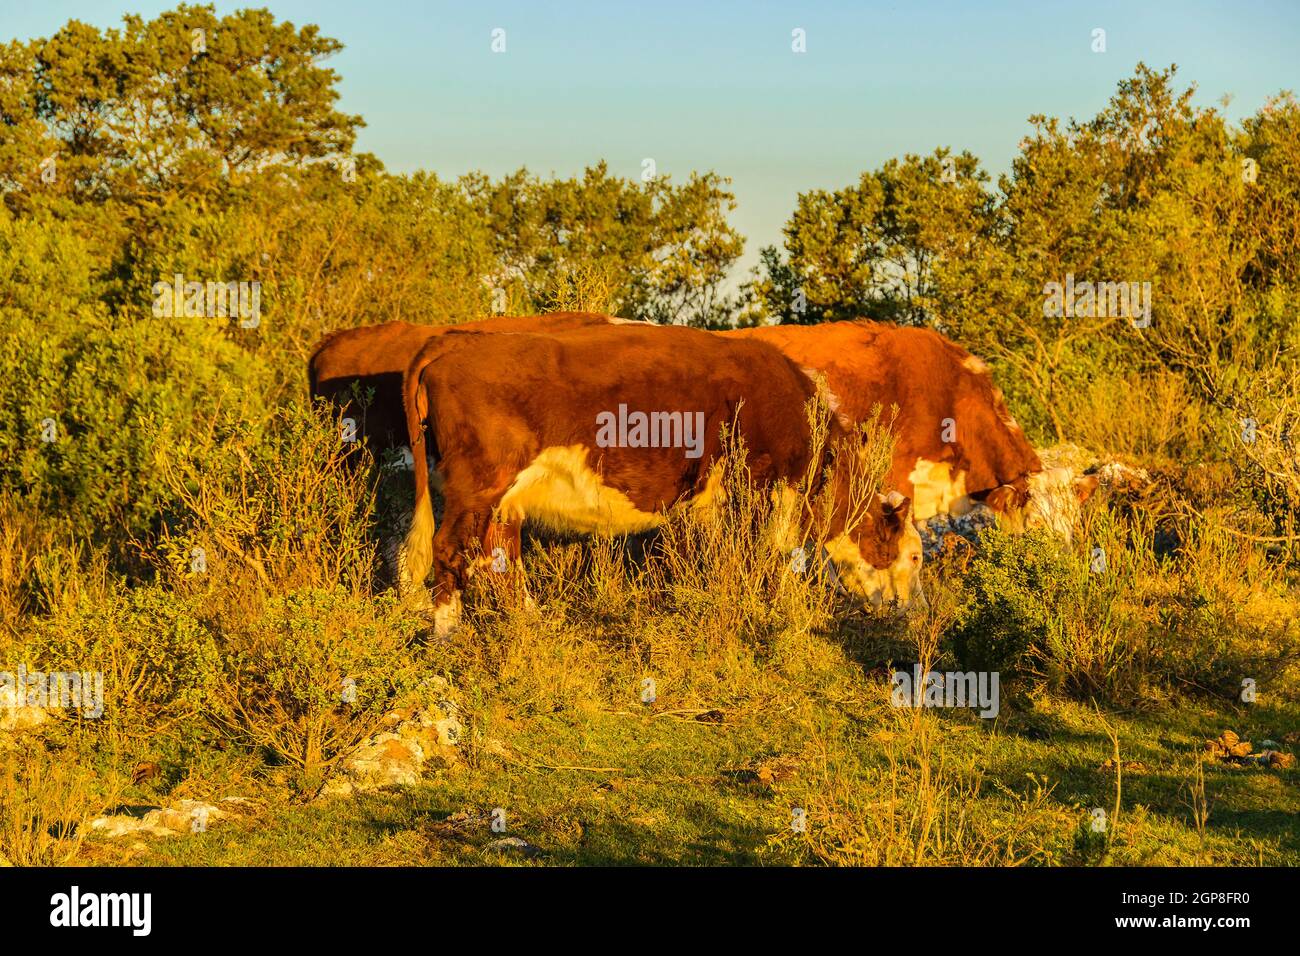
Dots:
{"x": 277, "y": 504}
{"x": 1043, "y": 610}
{"x": 159, "y": 660}
{"x": 89, "y": 402}
{"x": 1137, "y": 629}
{"x": 312, "y": 677}
{"x": 1228, "y": 615}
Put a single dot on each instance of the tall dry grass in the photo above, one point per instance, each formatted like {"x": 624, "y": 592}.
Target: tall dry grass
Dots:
{"x": 279, "y": 505}
{"x": 923, "y": 803}
{"x": 726, "y": 580}
{"x": 44, "y": 567}
{"x": 1148, "y": 415}
{"x": 46, "y": 805}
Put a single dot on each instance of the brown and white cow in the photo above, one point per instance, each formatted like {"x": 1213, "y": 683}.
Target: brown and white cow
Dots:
{"x": 522, "y": 425}
{"x": 955, "y": 441}
{"x": 372, "y": 360}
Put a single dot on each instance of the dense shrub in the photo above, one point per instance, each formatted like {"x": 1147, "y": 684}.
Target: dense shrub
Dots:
{"x": 90, "y": 401}
{"x": 160, "y": 661}
{"x": 1037, "y": 608}
{"x": 1226, "y": 614}
{"x": 286, "y": 501}
{"x": 311, "y": 677}
{"x": 1107, "y": 617}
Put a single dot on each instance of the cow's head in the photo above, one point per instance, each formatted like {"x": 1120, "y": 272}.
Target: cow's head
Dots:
{"x": 880, "y": 559}
{"x": 1054, "y": 499}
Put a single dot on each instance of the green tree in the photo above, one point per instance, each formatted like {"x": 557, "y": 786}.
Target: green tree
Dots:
{"x": 872, "y": 248}
{"x": 177, "y": 105}
{"x": 660, "y": 251}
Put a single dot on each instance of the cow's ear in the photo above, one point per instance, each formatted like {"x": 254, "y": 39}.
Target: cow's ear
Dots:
{"x": 1004, "y": 499}
{"x": 896, "y": 506}
{"x": 1084, "y": 486}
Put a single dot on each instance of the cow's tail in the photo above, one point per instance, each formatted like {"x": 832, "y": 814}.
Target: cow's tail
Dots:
{"x": 417, "y": 551}
{"x": 313, "y": 376}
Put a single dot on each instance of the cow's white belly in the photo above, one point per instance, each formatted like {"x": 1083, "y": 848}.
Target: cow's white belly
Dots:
{"x": 559, "y": 490}
{"x": 935, "y": 490}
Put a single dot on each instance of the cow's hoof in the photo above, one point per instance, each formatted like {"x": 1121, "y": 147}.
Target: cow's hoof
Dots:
{"x": 446, "y": 617}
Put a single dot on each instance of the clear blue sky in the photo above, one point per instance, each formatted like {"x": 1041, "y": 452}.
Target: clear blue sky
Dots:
{"x": 714, "y": 85}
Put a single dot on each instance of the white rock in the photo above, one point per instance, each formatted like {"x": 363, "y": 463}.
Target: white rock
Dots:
{"x": 413, "y": 740}
{"x": 15, "y": 715}
{"x": 188, "y": 816}
{"x": 514, "y": 844}
{"x": 449, "y": 731}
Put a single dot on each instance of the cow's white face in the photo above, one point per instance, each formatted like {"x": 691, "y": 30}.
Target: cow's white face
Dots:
{"x": 899, "y": 583}
{"x": 1056, "y": 497}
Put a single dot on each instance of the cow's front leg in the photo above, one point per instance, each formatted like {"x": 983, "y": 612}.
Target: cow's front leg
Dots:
{"x": 503, "y": 550}
{"x": 459, "y": 530}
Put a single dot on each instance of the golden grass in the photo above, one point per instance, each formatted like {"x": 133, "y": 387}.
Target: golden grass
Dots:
{"x": 46, "y": 804}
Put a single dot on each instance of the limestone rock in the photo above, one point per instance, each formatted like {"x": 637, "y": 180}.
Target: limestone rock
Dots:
{"x": 513, "y": 844}
{"x": 413, "y": 741}
{"x": 15, "y": 715}
{"x": 187, "y": 816}
{"x": 385, "y": 760}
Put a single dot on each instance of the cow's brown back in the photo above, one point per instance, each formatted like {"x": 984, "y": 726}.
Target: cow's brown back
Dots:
{"x": 510, "y": 396}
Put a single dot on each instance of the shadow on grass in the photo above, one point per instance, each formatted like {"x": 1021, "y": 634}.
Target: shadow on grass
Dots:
{"x": 694, "y": 834}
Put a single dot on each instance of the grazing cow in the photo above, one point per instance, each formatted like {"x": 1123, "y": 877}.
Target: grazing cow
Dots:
{"x": 955, "y": 442}
{"x": 603, "y": 429}
{"x": 376, "y": 356}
